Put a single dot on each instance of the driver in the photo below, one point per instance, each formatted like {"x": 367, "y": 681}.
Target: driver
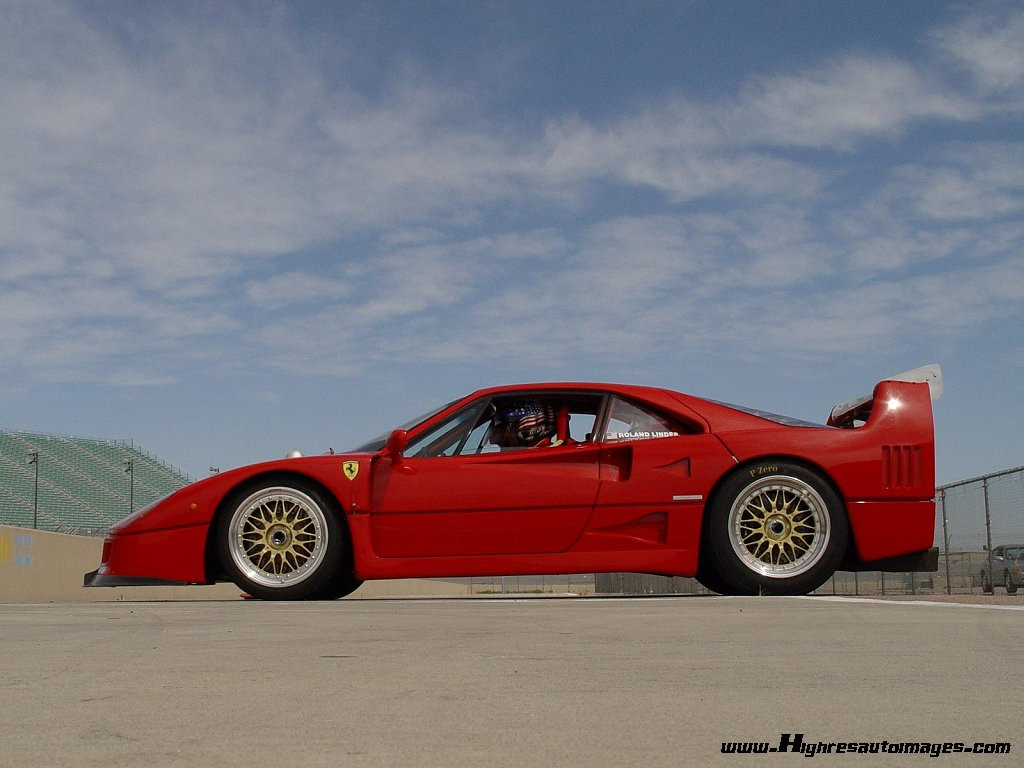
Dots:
{"x": 523, "y": 425}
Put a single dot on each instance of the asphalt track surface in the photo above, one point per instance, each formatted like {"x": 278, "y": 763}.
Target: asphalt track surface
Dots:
{"x": 503, "y": 682}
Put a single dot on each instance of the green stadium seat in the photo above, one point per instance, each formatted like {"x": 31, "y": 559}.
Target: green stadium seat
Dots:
{"x": 83, "y": 484}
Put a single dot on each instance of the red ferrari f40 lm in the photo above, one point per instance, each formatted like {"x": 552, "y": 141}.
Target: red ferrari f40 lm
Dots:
{"x": 565, "y": 478}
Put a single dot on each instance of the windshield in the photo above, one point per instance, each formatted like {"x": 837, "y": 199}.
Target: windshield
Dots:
{"x": 381, "y": 440}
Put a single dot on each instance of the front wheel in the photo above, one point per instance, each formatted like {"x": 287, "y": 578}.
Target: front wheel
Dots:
{"x": 777, "y": 529}
{"x": 285, "y": 541}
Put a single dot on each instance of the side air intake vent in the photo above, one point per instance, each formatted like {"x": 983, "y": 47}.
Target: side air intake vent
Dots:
{"x": 901, "y": 466}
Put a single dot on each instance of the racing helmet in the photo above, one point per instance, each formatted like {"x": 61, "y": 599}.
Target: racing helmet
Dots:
{"x": 522, "y": 425}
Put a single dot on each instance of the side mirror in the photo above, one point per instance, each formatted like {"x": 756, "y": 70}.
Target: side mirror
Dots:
{"x": 397, "y": 441}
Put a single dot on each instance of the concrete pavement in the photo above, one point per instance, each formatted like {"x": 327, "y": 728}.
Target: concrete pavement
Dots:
{"x": 502, "y": 682}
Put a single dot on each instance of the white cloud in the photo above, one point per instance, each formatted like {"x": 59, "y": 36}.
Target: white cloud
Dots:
{"x": 851, "y": 99}
{"x": 980, "y": 181}
{"x": 295, "y": 288}
{"x": 174, "y": 184}
{"x": 990, "y": 45}
{"x": 678, "y": 149}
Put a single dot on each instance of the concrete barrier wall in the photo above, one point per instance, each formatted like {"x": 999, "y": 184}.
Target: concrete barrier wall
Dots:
{"x": 45, "y": 567}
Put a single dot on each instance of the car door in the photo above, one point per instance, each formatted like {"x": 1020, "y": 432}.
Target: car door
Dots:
{"x": 449, "y": 497}
{"x": 655, "y": 473}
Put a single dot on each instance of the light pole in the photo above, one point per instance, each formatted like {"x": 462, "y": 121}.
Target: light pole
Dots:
{"x": 129, "y": 467}
{"x": 33, "y": 458}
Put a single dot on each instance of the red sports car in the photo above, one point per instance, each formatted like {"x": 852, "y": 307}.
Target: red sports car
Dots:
{"x": 565, "y": 478}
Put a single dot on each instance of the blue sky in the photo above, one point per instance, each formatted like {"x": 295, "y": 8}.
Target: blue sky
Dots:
{"x": 230, "y": 230}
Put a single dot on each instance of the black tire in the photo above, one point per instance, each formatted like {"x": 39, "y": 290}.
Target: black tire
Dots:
{"x": 1011, "y": 588}
{"x": 285, "y": 540}
{"x": 342, "y": 586}
{"x": 776, "y": 528}
{"x": 707, "y": 576}
{"x": 712, "y": 582}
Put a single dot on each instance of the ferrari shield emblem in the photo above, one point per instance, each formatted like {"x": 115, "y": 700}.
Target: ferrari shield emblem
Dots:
{"x": 351, "y": 469}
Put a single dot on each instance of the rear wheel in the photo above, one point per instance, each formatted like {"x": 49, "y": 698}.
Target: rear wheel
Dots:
{"x": 776, "y": 529}
{"x": 285, "y": 541}
{"x": 707, "y": 575}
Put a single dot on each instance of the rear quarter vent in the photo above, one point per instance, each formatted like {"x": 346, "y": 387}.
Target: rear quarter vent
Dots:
{"x": 902, "y": 466}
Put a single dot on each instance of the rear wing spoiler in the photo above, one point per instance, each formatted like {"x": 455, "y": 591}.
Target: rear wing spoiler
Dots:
{"x": 859, "y": 408}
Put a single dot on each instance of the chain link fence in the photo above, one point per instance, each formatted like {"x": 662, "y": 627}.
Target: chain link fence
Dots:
{"x": 975, "y": 517}
{"x": 979, "y": 517}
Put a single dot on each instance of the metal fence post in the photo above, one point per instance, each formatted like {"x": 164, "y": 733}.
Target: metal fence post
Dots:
{"x": 945, "y": 539}
{"x": 988, "y": 531}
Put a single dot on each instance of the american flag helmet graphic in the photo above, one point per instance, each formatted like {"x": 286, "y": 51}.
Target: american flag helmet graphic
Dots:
{"x": 524, "y": 424}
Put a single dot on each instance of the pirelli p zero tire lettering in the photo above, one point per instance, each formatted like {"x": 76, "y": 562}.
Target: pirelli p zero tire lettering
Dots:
{"x": 285, "y": 540}
{"x": 776, "y": 529}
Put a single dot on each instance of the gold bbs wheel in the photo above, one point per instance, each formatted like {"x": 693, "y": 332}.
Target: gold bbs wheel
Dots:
{"x": 773, "y": 528}
{"x": 779, "y": 526}
{"x": 278, "y": 537}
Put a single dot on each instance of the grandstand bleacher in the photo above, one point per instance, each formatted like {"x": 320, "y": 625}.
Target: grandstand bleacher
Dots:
{"x": 84, "y": 486}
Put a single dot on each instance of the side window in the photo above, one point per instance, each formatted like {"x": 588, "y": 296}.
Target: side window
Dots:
{"x": 447, "y": 437}
{"x": 511, "y": 423}
{"x": 628, "y": 422}
{"x": 534, "y": 420}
